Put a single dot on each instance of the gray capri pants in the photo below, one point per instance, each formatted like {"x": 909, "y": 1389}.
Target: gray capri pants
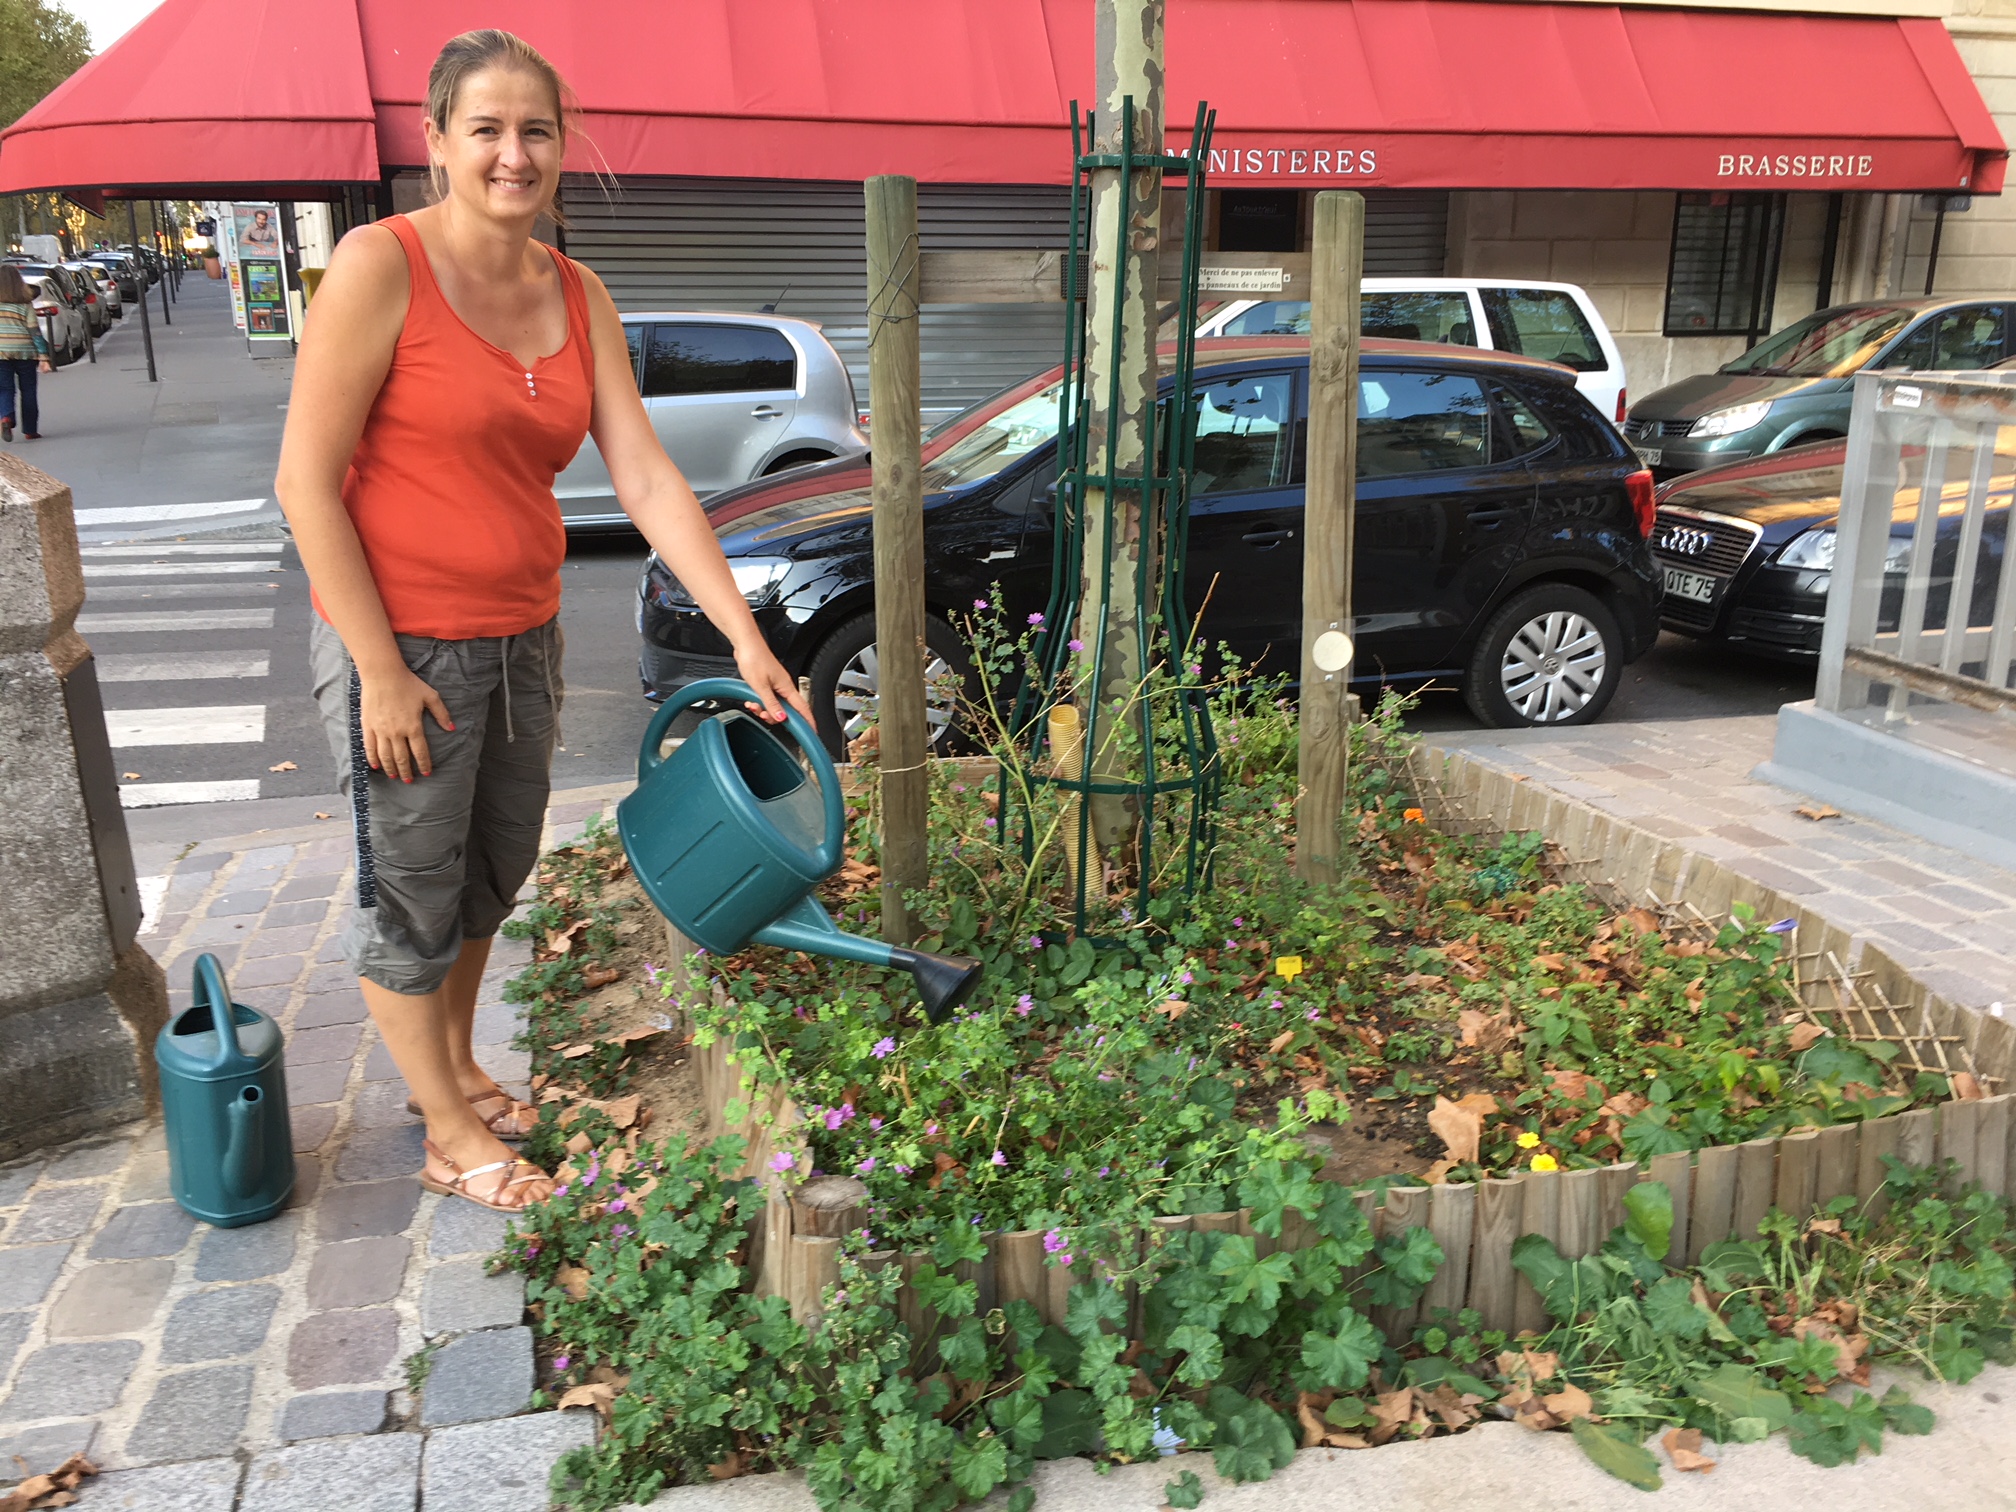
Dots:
{"x": 440, "y": 859}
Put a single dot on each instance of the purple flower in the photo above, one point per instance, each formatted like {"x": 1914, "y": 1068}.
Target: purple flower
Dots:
{"x": 651, "y": 972}
{"x": 1024, "y": 1004}
{"x": 1783, "y": 926}
{"x": 1055, "y": 1242}
{"x": 838, "y": 1116}
{"x": 782, "y": 1161}
{"x": 988, "y": 821}
{"x": 594, "y": 1170}
{"x": 621, "y": 1231}
{"x": 1313, "y": 1015}
{"x": 1188, "y": 978}
{"x": 1103, "y": 1170}
{"x": 866, "y": 1166}
{"x": 1035, "y": 619}
{"x": 998, "y": 1159}
{"x": 884, "y": 1046}
{"x": 979, "y": 603}
{"x": 875, "y": 1123}
{"x": 1075, "y": 645}
{"x": 930, "y": 1128}
{"x": 617, "y": 1205}
{"x": 560, "y": 1190}
{"x": 561, "y": 1362}
{"x": 1105, "y": 1076}
{"x": 1238, "y": 923}
{"x": 1275, "y": 1004}
{"x": 901, "y": 1169}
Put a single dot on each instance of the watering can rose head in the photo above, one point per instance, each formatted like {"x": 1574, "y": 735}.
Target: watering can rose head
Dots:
{"x": 729, "y": 836}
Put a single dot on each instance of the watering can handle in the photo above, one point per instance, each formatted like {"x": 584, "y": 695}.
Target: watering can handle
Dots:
{"x": 831, "y": 848}
{"x": 211, "y": 991}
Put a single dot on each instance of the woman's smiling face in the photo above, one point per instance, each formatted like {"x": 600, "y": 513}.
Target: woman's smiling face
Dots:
{"x": 502, "y": 148}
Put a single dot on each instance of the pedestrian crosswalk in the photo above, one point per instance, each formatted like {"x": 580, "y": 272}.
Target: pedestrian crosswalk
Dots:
{"x": 186, "y": 684}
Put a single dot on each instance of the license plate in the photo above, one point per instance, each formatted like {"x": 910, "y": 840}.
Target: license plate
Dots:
{"x": 1690, "y": 585}
{"x": 1651, "y": 456}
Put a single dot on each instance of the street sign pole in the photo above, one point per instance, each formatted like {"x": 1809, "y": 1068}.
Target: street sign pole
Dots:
{"x": 146, "y": 330}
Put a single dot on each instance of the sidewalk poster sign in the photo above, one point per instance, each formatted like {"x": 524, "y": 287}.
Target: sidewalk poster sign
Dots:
{"x": 227, "y": 252}
{"x": 262, "y": 275}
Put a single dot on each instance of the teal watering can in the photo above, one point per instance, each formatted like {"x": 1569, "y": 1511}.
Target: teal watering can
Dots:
{"x": 224, "y": 1098}
{"x": 728, "y": 837}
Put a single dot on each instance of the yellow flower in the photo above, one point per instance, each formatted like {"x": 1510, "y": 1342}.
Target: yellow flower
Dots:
{"x": 1527, "y": 1141}
{"x": 1546, "y": 1163}
{"x": 1415, "y": 816}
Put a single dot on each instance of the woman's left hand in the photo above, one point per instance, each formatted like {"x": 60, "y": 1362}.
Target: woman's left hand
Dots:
{"x": 47, "y": 366}
{"x": 774, "y": 686}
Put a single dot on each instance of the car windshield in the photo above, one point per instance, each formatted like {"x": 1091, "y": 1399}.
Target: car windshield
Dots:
{"x": 997, "y": 442}
{"x": 1826, "y": 344}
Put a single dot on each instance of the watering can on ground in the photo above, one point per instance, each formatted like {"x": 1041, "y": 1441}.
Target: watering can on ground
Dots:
{"x": 224, "y": 1099}
{"x": 728, "y": 837}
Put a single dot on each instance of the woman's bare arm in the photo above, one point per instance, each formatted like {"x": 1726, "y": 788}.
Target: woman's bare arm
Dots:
{"x": 346, "y": 349}
{"x": 659, "y": 500}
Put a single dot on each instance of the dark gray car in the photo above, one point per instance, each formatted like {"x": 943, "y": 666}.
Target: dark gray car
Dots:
{"x": 1798, "y": 385}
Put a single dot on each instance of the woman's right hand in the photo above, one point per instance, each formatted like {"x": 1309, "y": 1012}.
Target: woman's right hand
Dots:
{"x": 392, "y": 711}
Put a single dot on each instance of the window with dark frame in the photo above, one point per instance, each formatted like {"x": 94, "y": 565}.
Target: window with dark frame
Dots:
{"x": 1724, "y": 265}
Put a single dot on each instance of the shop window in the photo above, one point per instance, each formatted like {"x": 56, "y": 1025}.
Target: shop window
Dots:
{"x": 717, "y": 359}
{"x": 1259, "y": 220}
{"x": 1724, "y": 266}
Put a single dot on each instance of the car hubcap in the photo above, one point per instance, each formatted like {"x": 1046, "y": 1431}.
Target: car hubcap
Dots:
{"x": 854, "y": 695}
{"x": 1553, "y": 667}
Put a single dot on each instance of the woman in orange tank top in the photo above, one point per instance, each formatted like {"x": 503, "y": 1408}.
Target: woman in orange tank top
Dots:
{"x": 450, "y": 369}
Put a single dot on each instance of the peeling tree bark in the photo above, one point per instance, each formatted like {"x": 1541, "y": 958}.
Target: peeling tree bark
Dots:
{"x": 1128, "y": 42}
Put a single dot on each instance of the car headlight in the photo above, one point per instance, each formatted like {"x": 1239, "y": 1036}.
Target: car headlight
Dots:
{"x": 1815, "y": 549}
{"x": 756, "y": 577}
{"x": 1727, "y": 422}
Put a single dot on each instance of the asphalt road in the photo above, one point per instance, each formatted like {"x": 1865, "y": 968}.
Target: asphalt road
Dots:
{"x": 199, "y": 612}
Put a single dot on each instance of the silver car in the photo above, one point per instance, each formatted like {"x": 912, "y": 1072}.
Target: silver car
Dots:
{"x": 733, "y": 397}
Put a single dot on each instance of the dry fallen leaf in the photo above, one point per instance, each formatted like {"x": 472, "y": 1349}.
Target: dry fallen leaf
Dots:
{"x": 731, "y": 1467}
{"x": 1966, "y": 1087}
{"x": 575, "y": 1052}
{"x": 1551, "y": 961}
{"x": 1683, "y": 1447}
{"x": 130, "y": 776}
{"x": 1391, "y": 1413}
{"x": 631, "y": 1036}
{"x": 320, "y": 815}
{"x": 1280, "y": 1042}
{"x": 1174, "y": 1009}
{"x": 596, "y": 1394}
{"x": 579, "y": 1144}
{"x": 1569, "y": 1403}
{"x": 1458, "y": 1127}
{"x": 573, "y": 1280}
{"x": 1493, "y": 1034}
{"x": 1804, "y": 1035}
{"x": 51, "y": 1490}
{"x": 1817, "y": 811}
{"x": 283, "y": 766}
{"x": 600, "y": 976}
{"x": 623, "y": 1110}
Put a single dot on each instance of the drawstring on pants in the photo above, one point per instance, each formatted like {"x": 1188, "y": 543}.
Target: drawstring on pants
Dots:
{"x": 545, "y": 676}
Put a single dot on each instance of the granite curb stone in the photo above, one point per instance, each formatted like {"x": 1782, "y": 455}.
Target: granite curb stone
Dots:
{"x": 198, "y": 1413}
{"x": 330, "y": 1414}
{"x": 458, "y": 1296}
{"x": 500, "y": 1466}
{"x": 197, "y": 1486}
{"x": 477, "y": 1376}
{"x": 380, "y": 1474}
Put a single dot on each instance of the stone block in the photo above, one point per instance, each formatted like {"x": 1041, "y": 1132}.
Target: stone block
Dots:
{"x": 378, "y": 1065}
{"x": 478, "y": 1376}
{"x": 291, "y": 940}
{"x": 381, "y": 1105}
{"x": 271, "y": 971}
{"x": 463, "y": 1228}
{"x": 332, "y": 1414}
{"x": 307, "y": 905}
{"x": 57, "y": 1213}
{"x": 311, "y": 1126}
{"x": 358, "y": 1272}
{"x": 343, "y": 1348}
{"x": 238, "y": 904}
{"x": 340, "y": 1004}
{"x": 496, "y": 1024}
{"x": 70, "y": 1380}
{"x": 37, "y": 1451}
{"x": 307, "y": 1181}
{"x": 146, "y": 1179}
{"x": 317, "y": 1084}
{"x": 14, "y": 1328}
{"x": 197, "y": 1413}
{"x": 460, "y": 1297}
{"x": 331, "y": 1042}
{"x": 219, "y": 1324}
{"x": 363, "y": 1209}
{"x": 117, "y": 1297}
{"x": 307, "y": 886}
{"x": 15, "y": 1182}
{"x": 376, "y": 1154}
{"x": 27, "y": 1271}
{"x": 195, "y": 1486}
{"x": 143, "y": 1230}
{"x": 80, "y": 1162}
{"x": 501, "y": 1466}
{"x": 380, "y": 1474}
{"x": 248, "y": 1253}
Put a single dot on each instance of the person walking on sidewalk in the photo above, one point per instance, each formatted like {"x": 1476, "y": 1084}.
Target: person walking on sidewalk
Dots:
{"x": 449, "y": 370}
{"x": 23, "y": 353}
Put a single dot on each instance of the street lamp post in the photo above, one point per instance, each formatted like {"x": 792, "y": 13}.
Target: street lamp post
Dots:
{"x": 146, "y": 330}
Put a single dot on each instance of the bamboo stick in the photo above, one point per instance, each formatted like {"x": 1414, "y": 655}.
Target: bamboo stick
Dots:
{"x": 1539, "y": 1213}
{"x": 1839, "y": 1148}
{"x": 1452, "y": 1218}
{"x": 1581, "y": 1210}
{"x": 1714, "y": 1200}
{"x": 1879, "y": 1138}
{"x": 1492, "y": 1279}
{"x": 1798, "y": 1187}
{"x": 1756, "y": 1184}
{"x": 1959, "y": 1131}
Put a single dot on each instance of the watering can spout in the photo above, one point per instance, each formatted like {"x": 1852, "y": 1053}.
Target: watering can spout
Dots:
{"x": 942, "y": 981}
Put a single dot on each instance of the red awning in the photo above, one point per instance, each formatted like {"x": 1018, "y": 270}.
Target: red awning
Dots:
{"x": 208, "y": 94}
{"x": 1473, "y": 94}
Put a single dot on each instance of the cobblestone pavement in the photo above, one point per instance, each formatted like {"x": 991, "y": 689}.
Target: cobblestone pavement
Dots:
{"x": 1948, "y": 919}
{"x": 265, "y": 1368}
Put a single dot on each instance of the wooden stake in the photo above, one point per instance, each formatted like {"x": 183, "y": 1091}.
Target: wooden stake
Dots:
{"x": 1323, "y": 773}
{"x": 894, "y": 384}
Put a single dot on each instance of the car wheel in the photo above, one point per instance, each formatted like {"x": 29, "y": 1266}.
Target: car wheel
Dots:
{"x": 844, "y": 673}
{"x": 795, "y": 459}
{"x": 1551, "y": 655}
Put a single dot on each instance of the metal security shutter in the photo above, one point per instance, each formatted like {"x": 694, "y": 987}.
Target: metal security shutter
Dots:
{"x": 1406, "y": 232}
{"x": 719, "y": 244}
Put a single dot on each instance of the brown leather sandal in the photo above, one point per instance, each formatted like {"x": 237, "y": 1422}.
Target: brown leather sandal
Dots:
{"x": 457, "y": 1185}
{"x": 510, "y": 1123}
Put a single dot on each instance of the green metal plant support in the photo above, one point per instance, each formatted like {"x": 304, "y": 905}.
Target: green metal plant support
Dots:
{"x": 1174, "y": 777}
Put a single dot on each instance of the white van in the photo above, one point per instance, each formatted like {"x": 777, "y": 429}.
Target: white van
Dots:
{"x": 1556, "y": 321}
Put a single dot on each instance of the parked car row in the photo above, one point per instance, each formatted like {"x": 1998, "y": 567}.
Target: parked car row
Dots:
{"x": 77, "y": 300}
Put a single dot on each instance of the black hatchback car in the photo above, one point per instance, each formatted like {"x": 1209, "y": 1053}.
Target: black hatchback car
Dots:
{"x": 1501, "y": 536}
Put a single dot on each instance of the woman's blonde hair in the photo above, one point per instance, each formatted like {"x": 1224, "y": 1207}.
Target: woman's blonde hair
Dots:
{"x": 13, "y": 287}
{"x": 462, "y": 58}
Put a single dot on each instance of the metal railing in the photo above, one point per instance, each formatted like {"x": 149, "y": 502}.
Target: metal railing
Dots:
{"x": 1922, "y": 603}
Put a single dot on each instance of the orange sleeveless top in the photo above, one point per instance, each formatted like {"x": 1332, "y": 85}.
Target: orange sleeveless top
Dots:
{"x": 451, "y": 485}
